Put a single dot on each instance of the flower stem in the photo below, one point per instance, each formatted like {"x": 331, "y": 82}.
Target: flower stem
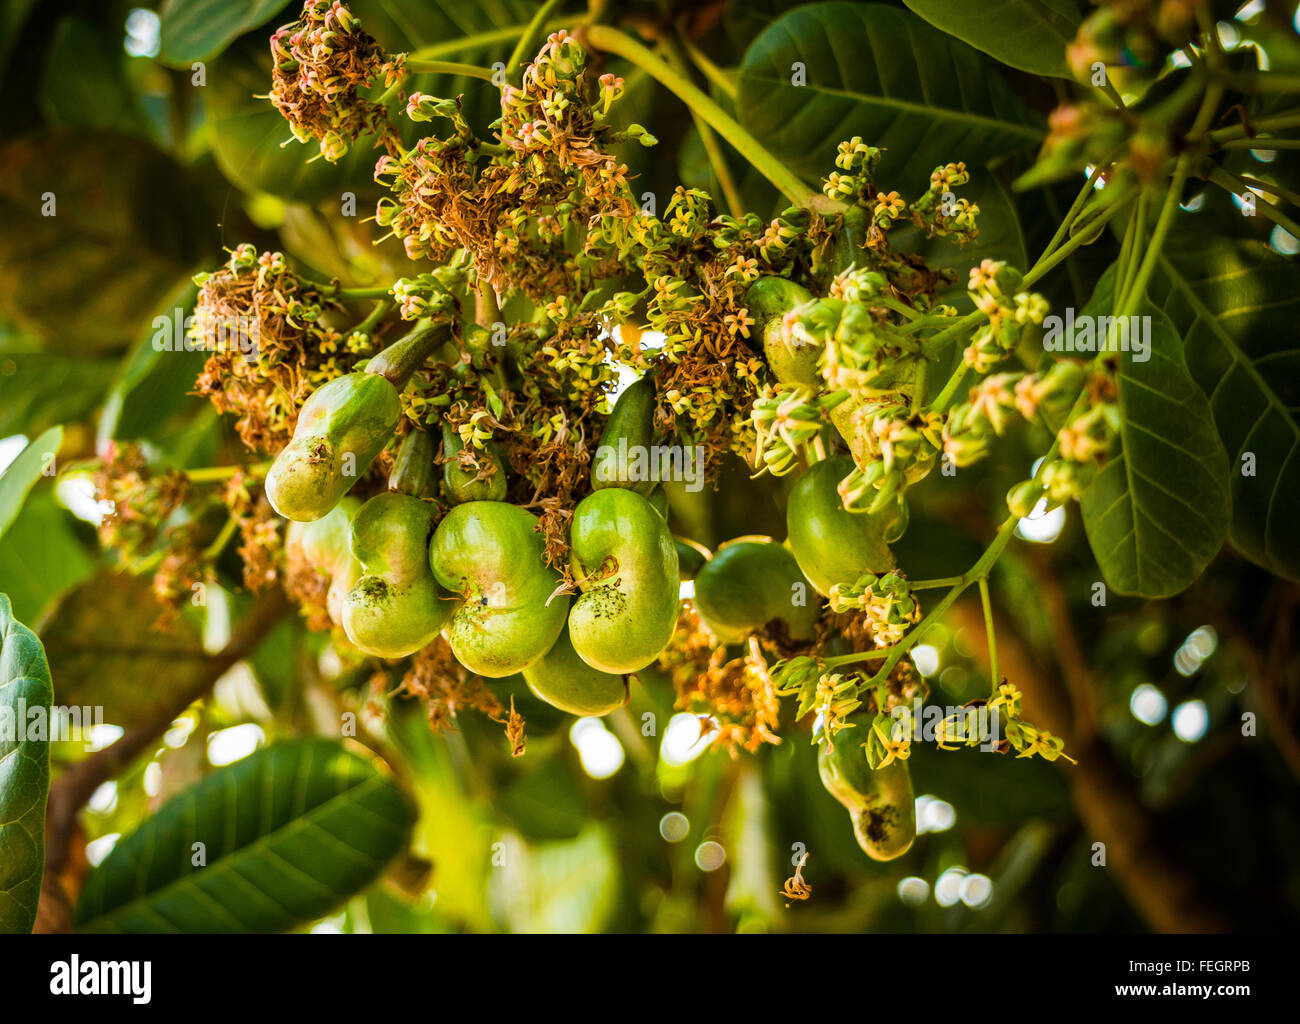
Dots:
{"x": 528, "y": 41}
{"x": 447, "y": 67}
{"x": 611, "y": 40}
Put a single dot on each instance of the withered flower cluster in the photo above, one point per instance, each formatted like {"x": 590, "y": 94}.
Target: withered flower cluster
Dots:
{"x": 321, "y": 62}
{"x": 270, "y": 341}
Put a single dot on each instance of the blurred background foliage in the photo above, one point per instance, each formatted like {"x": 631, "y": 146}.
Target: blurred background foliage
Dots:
{"x": 629, "y": 823}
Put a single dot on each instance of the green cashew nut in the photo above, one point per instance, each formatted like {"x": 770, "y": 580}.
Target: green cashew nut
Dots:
{"x": 749, "y": 583}
{"x": 491, "y": 556}
{"x": 623, "y": 456}
{"x": 830, "y": 544}
{"x": 625, "y": 562}
{"x": 395, "y": 609}
{"x": 461, "y": 485}
{"x": 324, "y": 545}
{"x": 563, "y": 680}
{"x": 792, "y": 360}
{"x": 880, "y": 801}
{"x": 342, "y": 427}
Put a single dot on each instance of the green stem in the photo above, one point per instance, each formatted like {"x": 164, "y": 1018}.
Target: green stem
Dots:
{"x": 1285, "y": 119}
{"x": 406, "y": 355}
{"x": 528, "y": 41}
{"x": 710, "y": 70}
{"x": 1262, "y": 143}
{"x": 446, "y": 67}
{"x": 214, "y": 474}
{"x": 987, "y": 605}
{"x": 944, "y": 397}
{"x": 717, "y": 159}
{"x": 611, "y": 40}
{"x": 918, "y": 386}
{"x": 477, "y": 40}
{"x": 213, "y": 550}
{"x": 380, "y": 311}
{"x": 1088, "y": 187}
{"x": 945, "y": 581}
{"x": 1137, "y": 289}
{"x": 1266, "y": 186}
{"x": 1229, "y": 182}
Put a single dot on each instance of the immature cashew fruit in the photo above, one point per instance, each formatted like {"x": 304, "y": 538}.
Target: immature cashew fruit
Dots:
{"x": 792, "y": 360}
{"x": 324, "y": 545}
{"x": 830, "y": 544}
{"x": 395, "y": 608}
{"x": 750, "y": 583}
{"x": 461, "y": 485}
{"x": 880, "y": 801}
{"x": 625, "y": 562}
{"x": 562, "y": 679}
{"x": 490, "y": 555}
{"x": 623, "y": 456}
{"x": 340, "y": 430}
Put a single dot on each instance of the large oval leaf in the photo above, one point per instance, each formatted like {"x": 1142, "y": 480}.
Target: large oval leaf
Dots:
{"x": 883, "y": 74}
{"x": 21, "y": 475}
{"x": 24, "y": 772}
{"x": 288, "y": 833}
{"x": 1027, "y": 34}
{"x": 1158, "y": 511}
{"x": 1237, "y": 304}
{"x": 200, "y": 29}
{"x": 125, "y": 225}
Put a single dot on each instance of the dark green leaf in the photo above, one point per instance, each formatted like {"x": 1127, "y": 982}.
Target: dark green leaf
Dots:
{"x": 34, "y": 461}
{"x": 85, "y": 80}
{"x": 288, "y": 833}
{"x": 38, "y": 390}
{"x": 200, "y": 29}
{"x": 157, "y": 378}
{"x": 24, "y": 772}
{"x": 1237, "y": 303}
{"x": 885, "y": 75}
{"x": 40, "y": 557}
{"x": 127, "y": 225}
{"x": 1027, "y": 34}
{"x": 1158, "y": 511}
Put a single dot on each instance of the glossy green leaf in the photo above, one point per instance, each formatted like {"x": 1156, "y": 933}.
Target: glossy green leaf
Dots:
{"x": 882, "y": 74}
{"x": 95, "y": 228}
{"x": 1027, "y": 34}
{"x": 1158, "y": 511}
{"x": 20, "y": 477}
{"x": 200, "y": 29}
{"x": 287, "y": 834}
{"x": 85, "y": 82}
{"x": 38, "y": 389}
{"x": 24, "y": 771}
{"x": 1236, "y": 304}
{"x": 41, "y": 557}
